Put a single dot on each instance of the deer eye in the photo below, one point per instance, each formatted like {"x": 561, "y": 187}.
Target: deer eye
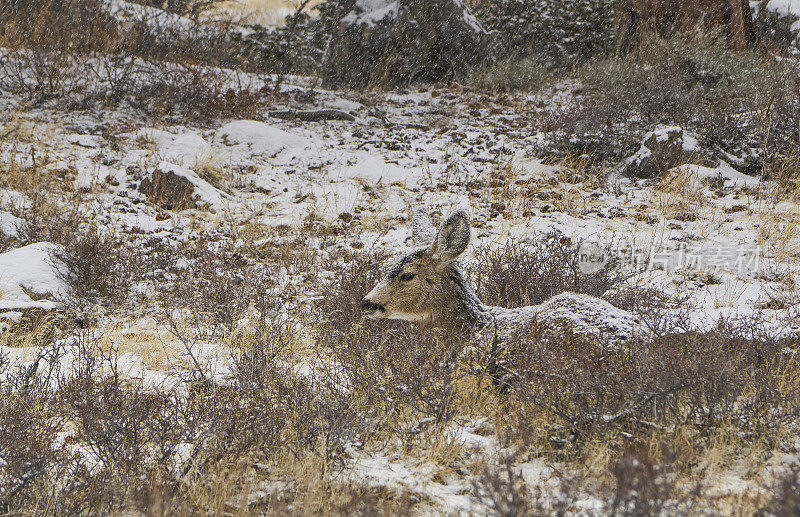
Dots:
{"x": 405, "y": 277}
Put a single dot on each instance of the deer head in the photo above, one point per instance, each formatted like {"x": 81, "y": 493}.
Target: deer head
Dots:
{"x": 425, "y": 285}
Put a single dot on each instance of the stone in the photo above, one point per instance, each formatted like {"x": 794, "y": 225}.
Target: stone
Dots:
{"x": 394, "y": 43}
{"x": 664, "y": 148}
{"x": 168, "y": 190}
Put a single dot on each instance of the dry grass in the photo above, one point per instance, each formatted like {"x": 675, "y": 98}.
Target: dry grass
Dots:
{"x": 408, "y": 393}
{"x": 679, "y": 194}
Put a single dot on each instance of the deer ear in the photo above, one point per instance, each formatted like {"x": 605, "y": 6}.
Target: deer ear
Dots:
{"x": 452, "y": 239}
{"x": 422, "y": 230}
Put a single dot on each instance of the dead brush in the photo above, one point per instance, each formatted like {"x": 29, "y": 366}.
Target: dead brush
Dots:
{"x": 734, "y": 100}
{"x": 195, "y": 91}
{"x": 781, "y": 179}
{"x": 576, "y": 176}
{"x": 87, "y": 441}
{"x": 98, "y": 266}
{"x": 646, "y": 485}
{"x": 46, "y": 220}
{"x": 221, "y": 284}
{"x": 521, "y": 274}
{"x": 704, "y": 381}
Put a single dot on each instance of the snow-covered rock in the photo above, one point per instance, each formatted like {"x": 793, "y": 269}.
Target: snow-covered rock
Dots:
{"x": 183, "y": 148}
{"x": 173, "y": 187}
{"x": 259, "y": 138}
{"x": 664, "y": 148}
{"x": 395, "y": 42}
{"x": 30, "y": 278}
{"x": 577, "y": 314}
{"x": 9, "y": 224}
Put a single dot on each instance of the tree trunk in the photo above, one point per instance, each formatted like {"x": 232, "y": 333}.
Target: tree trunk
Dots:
{"x": 666, "y": 17}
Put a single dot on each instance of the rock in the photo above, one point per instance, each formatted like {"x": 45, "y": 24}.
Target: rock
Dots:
{"x": 569, "y": 313}
{"x": 175, "y": 188}
{"x": 397, "y": 42}
{"x": 664, "y": 148}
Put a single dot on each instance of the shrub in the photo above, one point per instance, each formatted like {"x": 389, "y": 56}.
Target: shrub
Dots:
{"x": 99, "y": 266}
{"x": 775, "y": 30}
{"x": 521, "y": 274}
{"x": 553, "y": 32}
{"x": 296, "y": 47}
{"x": 85, "y": 55}
{"x": 707, "y": 381}
{"x": 525, "y": 75}
{"x": 738, "y": 102}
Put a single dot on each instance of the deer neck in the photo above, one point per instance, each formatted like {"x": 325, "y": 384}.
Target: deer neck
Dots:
{"x": 464, "y": 309}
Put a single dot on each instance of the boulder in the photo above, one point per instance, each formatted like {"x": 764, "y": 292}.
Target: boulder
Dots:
{"x": 664, "y": 148}
{"x": 396, "y": 42}
{"x": 172, "y": 187}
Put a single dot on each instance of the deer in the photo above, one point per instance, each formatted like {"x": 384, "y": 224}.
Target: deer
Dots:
{"x": 428, "y": 287}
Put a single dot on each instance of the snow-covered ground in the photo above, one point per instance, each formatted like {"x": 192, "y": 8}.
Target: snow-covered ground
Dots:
{"x": 704, "y": 233}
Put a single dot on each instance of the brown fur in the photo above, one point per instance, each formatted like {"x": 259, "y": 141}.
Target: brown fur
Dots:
{"x": 426, "y": 286}
{"x": 432, "y": 297}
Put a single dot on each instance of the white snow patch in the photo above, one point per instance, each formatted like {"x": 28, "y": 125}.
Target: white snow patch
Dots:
{"x": 731, "y": 176}
{"x": 29, "y": 279}
{"x": 186, "y": 148}
{"x": 370, "y": 12}
{"x": 259, "y": 138}
{"x": 9, "y": 224}
{"x": 88, "y": 141}
{"x": 372, "y": 168}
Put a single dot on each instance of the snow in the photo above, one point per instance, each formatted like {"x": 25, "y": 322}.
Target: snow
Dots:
{"x": 784, "y": 7}
{"x": 343, "y": 104}
{"x": 372, "y": 168}
{"x": 370, "y": 12}
{"x": 9, "y": 224}
{"x": 730, "y": 176}
{"x": 88, "y": 141}
{"x": 28, "y": 278}
{"x": 130, "y": 12}
{"x": 259, "y": 138}
{"x": 379, "y": 470}
{"x": 184, "y": 147}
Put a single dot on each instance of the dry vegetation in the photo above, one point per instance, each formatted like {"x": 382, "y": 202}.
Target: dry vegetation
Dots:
{"x": 643, "y": 424}
{"x": 643, "y": 428}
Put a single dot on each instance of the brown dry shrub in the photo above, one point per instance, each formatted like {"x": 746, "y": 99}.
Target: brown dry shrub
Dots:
{"x": 98, "y": 266}
{"x": 74, "y": 53}
{"x": 521, "y": 274}
{"x": 70, "y": 25}
{"x": 739, "y": 102}
{"x": 705, "y": 381}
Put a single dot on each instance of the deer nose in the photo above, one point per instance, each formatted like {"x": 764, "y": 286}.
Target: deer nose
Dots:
{"x": 370, "y": 306}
